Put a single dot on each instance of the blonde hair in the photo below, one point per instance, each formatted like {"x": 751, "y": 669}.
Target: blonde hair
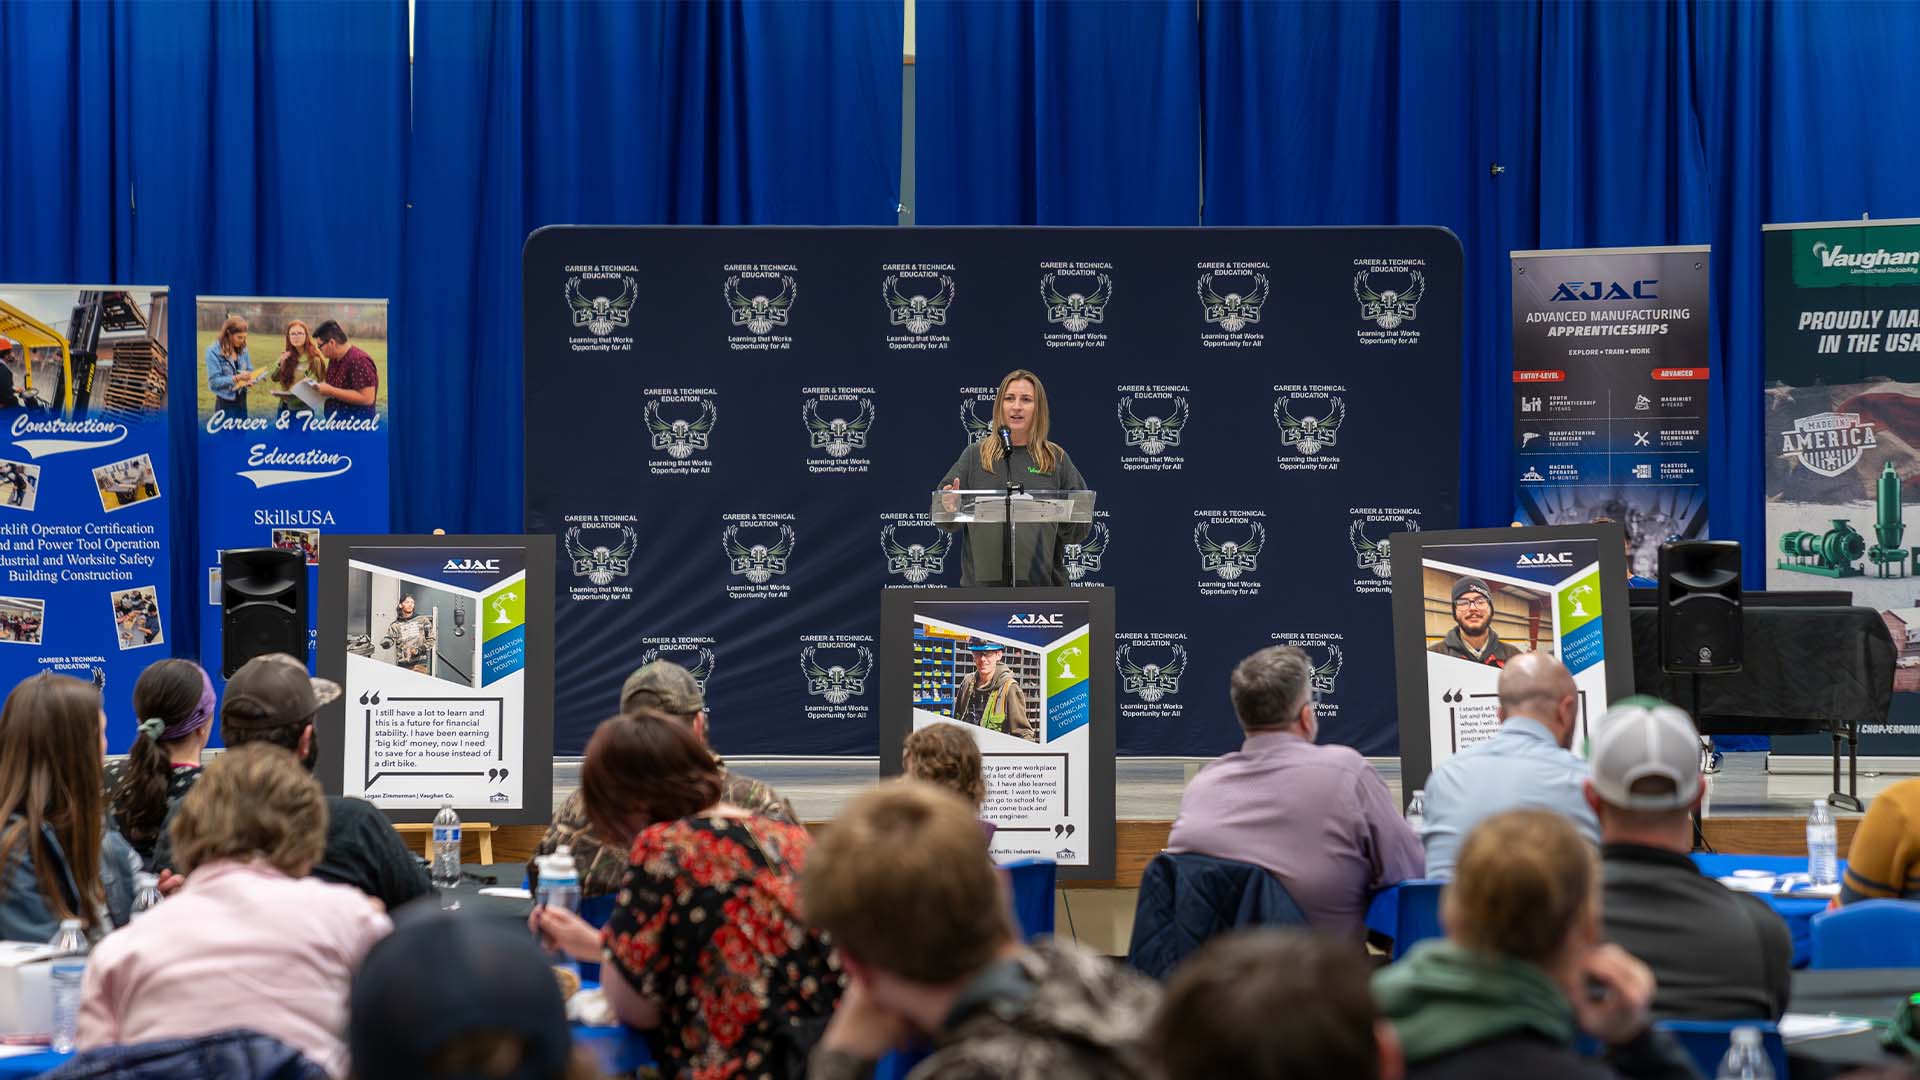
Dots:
{"x": 943, "y": 754}
{"x": 908, "y": 846}
{"x": 254, "y": 801}
{"x": 1522, "y": 883}
{"x": 1045, "y": 454}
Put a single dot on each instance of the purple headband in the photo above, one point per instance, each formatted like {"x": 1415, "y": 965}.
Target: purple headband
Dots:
{"x": 200, "y": 717}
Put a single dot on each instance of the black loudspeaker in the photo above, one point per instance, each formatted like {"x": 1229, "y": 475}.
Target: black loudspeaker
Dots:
{"x": 263, "y": 605}
{"x": 1700, "y": 606}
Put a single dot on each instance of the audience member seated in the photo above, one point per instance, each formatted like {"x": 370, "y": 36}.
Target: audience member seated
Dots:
{"x": 902, "y": 883}
{"x": 249, "y": 941}
{"x": 1717, "y": 954}
{"x": 1525, "y": 763}
{"x": 672, "y": 689}
{"x": 1316, "y": 817}
{"x": 271, "y": 699}
{"x": 1274, "y": 1005}
{"x": 1522, "y": 970}
{"x": 447, "y": 996}
{"x": 705, "y": 951}
{"x": 60, "y": 859}
{"x": 1883, "y": 862}
{"x": 174, "y": 703}
{"x": 946, "y": 755}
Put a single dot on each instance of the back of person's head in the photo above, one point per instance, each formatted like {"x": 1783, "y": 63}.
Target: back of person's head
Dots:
{"x": 50, "y": 774}
{"x": 945, "y": 754}
{"x": 903, "y": 883}
{"x": 1523, "y": 885}
{"x": 272, "y": 699}
{"x": 645, "y": 767}
{"x": 253, "y": 803}
{"x": 1645, "y": 774}
{"x": 450, "y": 995}
{"x": 330, "y": 331}
{"x": 173, "y": 701}
{"x": 1534, "y": 685}
{"x": 1270, "y": 687}
{"x": 1273, "y": 1005}
{"x": 663, "y": 685}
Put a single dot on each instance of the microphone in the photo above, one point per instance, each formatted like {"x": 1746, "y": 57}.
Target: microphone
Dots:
{"x": 1006, "y": 442}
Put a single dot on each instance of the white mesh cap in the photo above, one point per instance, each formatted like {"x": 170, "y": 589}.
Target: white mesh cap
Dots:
{"x": 1640, "y": 738}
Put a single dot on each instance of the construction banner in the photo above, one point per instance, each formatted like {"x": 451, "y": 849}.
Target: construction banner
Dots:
{"x": 84, "y": 487}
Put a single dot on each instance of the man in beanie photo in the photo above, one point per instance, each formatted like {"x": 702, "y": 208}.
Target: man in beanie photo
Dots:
{"x": 1472, "y": 637}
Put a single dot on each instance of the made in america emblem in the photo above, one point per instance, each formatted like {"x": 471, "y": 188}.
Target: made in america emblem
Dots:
{"x": 914, "y": 562}
{"x": 601, "y": 564}
{"x": 1150, "y": 682}
{"x": 834, "y": 682}
{"x": 1828, "y": 443}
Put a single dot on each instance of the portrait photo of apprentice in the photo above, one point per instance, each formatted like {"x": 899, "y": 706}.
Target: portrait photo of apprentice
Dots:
{"x": 322, "y": 357}
{"x": 21, "y": 618}
{"x": 1482, "y": 622}
{"x": 992, "y": 695}
{"x": 1016, "y": 449}
{"x": 136, "y": 617}
{"x": 19, "y": 485}
{"x": 125, "y": 483}
{"x": 304, "y": 541}
{"x": 230, "y": 368}
{"x": 411, "y": 625}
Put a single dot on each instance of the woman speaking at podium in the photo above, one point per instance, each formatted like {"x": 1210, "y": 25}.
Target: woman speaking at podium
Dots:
{"x": 1015, "y": 451}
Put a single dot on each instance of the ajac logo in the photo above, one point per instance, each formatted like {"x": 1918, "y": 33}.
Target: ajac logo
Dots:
{"x": 1589, "y": 291}
{"x": 471, "y": 566}
{"x": 1546, "y": 558}
{"x": 1036, "y": 619}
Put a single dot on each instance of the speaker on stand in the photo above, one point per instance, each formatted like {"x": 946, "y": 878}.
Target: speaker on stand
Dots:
{"x": 263, "y": 605}
{"x": 1700, "y": 620}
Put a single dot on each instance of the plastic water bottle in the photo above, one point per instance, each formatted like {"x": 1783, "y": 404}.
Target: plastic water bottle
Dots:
{"x": 446, "y": 848}
{"x": 1746, "y": 1059}
{"x": 1823, "y": 845}
{"x": 1417, "y": 811}
{"x": 146, "y": 894}
{"x": 559, "y": 887}
{"x": 69, "y": 969}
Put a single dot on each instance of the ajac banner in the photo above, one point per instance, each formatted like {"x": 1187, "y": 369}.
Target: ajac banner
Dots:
{"x": 1610, "y": 392}
{"x": 1842, "y": 303}
{"x": 293, "y": 431}
{"x": 84, "y": 487}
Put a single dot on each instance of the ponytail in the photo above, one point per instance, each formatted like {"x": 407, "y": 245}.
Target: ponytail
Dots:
{"x": 140, "y": 802}
{"x": 174, "y": 699}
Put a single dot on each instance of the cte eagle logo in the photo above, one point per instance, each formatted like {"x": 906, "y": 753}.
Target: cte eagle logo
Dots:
{"x": 1233, "y": 558}
{"x": 1232, "y": 312}
{"x": 680, "y": 438}
{"x": 1084, "y": 558}
{"x": 917, "y": 313}
{"x": 1388, "y": 308}
{"x": 837, "y": 437}
{"x": 975, "y": 427}
{"x": 758, "y": 563}
{"x": 1311, "y": 434}
{"x": 837, "y": 684}
{"x": 1326, "y": 674}
{"x": 759, "y": 313}
{"x": 701, "y": 669}
{"x": 598, "y": 314}
{"x": 1076, "y": 311}
{"x": 1153, "y": 434}
{"x": 601, "y": 565}
{"x": 1372, "y": 555}
{"x": 1151, "y": 682}
{"x": 915, "y": 562}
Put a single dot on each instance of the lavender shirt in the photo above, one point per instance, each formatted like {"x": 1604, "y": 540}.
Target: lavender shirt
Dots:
{"x": 1316, "y": 817}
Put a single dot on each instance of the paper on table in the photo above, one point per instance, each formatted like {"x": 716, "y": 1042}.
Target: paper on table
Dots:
{"x": 1759, "y": 881}
{"x": 1799, "y": 1027}
{"x": 508, "y": 893}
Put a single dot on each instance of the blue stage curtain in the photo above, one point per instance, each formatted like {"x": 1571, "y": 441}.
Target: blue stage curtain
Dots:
{"x": 1061, "y": 112}
{"x": 534, "y": 114}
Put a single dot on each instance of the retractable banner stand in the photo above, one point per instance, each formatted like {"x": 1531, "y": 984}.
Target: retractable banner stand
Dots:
{"x": 293, "y": 432}
{"x": 84, "y": 553}
{"x": 1842, "y": 306}
{"x": 734, "y": 435}
{"x": 1610, "y": 376}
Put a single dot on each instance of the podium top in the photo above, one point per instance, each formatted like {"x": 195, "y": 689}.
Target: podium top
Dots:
{"x": 991, "y": 506}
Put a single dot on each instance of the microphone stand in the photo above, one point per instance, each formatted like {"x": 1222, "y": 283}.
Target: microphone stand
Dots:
{"x": 1013, "y": 489}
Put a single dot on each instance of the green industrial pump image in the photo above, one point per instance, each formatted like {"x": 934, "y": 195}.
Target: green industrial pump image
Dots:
{"x": 1834, "y": 552}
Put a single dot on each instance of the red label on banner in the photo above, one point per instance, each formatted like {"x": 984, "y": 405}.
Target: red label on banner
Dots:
{"x": 1670, "y": 373}
{"x": 1539, "y": 376}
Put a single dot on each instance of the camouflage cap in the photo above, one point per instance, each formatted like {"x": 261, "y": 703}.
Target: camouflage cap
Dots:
{"x": 671, "y": 687}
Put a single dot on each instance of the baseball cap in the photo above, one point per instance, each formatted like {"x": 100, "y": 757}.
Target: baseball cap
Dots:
{"x": 673, "y": 687}
{"x": 442, "y": 975}
{"x": 1471, "y": 584}
{"x": 987, "y": 646}
{"x": 1642, "y": 737}
{"x": 273, "y": 690}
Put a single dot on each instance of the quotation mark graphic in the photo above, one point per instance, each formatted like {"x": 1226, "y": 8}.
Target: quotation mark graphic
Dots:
{"x": 371, "y": 697}
{"x": 496, "y": 775}
{"x": 1059, "y": 830}
{"x": 1454, "y": 697}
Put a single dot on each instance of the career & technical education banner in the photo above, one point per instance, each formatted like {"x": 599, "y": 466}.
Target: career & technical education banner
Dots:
{"x": 84, "y": 488}
{"x": 285, "y": 459}
{"x": 1842, "y": 309}
{"x": 1610, "y": 392}
{"x": 733, "y": 434}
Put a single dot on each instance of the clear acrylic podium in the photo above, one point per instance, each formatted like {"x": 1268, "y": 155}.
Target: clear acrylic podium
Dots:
{"x": 1000, "y": 521}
